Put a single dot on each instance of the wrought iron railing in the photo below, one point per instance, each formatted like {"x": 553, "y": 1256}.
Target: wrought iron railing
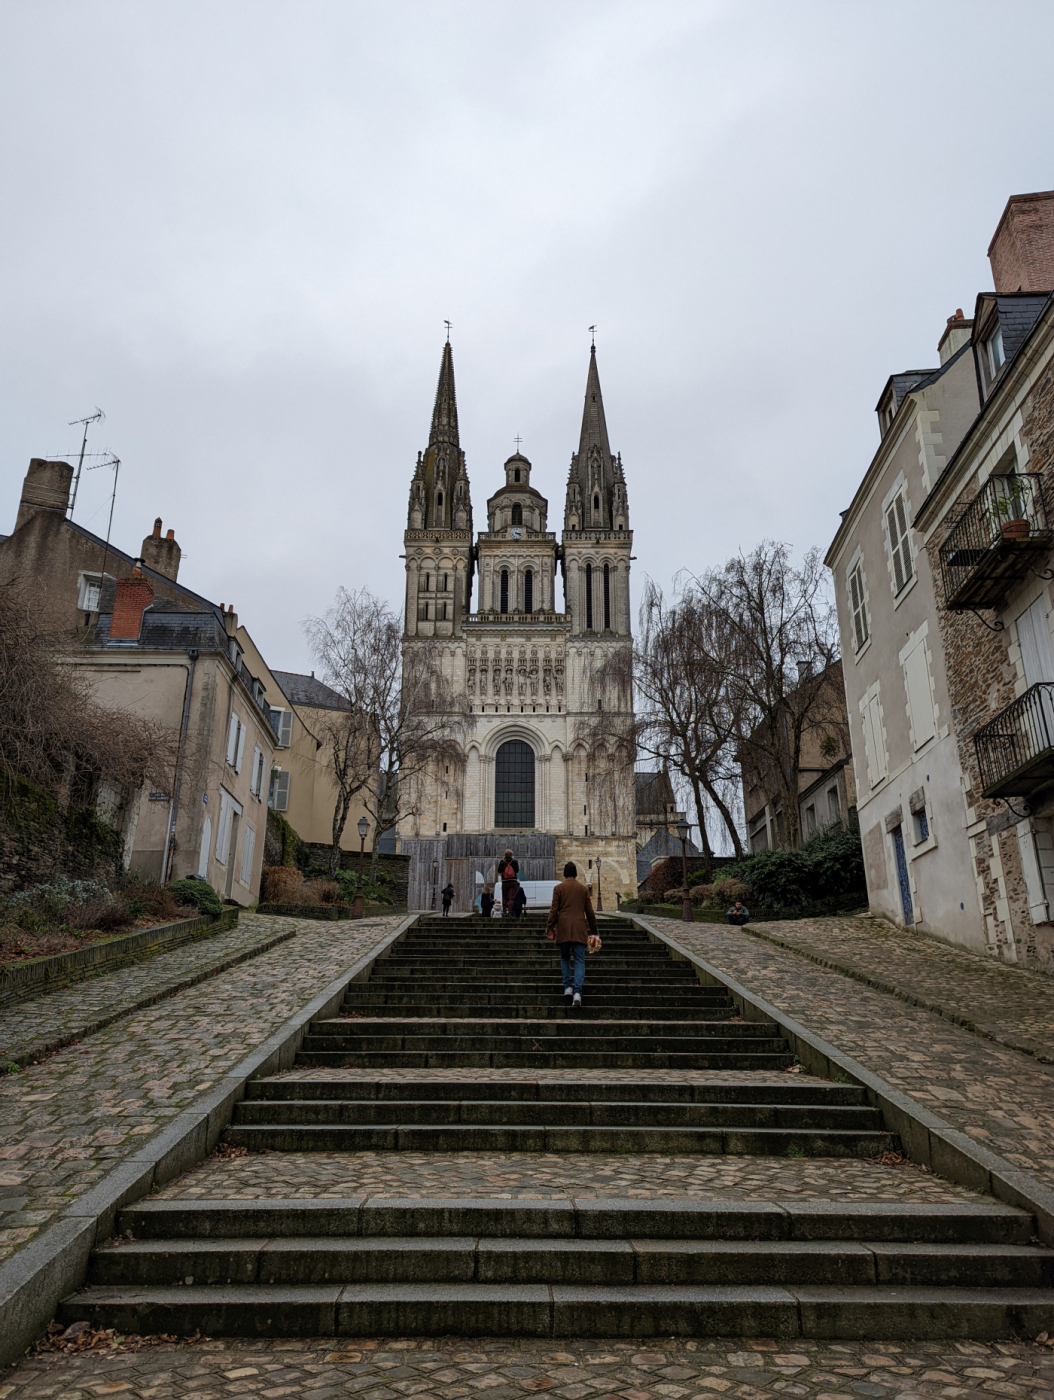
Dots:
{"x": 994, "y": 539}
{"x": 1015, "y": 750}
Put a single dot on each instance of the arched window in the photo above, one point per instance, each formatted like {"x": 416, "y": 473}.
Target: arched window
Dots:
{"x": 516, "y": 474}
{"x": 504, "y": 607}
{"x": 439, "y": 500}
{"x": 517, "y": 514}
{"x": 596, "y": 504}
{"x": 607, "y": 598}
{"x": 528, "y": 591}
{"x": 589, "y": 597}
{"x": 514, "y": 786}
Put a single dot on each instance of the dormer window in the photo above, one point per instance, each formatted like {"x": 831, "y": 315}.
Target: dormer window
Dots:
{"x": 996, "y": 355}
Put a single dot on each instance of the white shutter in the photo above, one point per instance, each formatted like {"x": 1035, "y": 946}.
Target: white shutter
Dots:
{"x": 285, "y": 737}
{"x": 232, "y": 737}
{"x": 920, "y": 699}
{"x": 262, "y": 785}
{"x": 899, "y": 547}
{"x": 206, "y": 842}
{"x": 1037, "y": 858}
{"x": 223, "y": 833}
{"x": 856, "y": 598}
{"x": 247, "y": 855}
{"x": 1033, "y": 635}
{"x": 241, "y": 748}
{"x": 279, "y": 799}
{"x": 873, "y": 744}
{"x": 254, "y": 781}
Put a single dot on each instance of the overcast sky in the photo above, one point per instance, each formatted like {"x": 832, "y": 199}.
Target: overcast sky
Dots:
{"x": 238, "y": 228}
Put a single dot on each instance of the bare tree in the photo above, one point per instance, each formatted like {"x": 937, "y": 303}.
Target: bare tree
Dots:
{"x": 52, "y": 730}
{"x": 400, "y": 716}
{"x": 773, "y": 642}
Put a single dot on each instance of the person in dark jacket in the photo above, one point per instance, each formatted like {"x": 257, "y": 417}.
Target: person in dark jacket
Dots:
{"x": 486, "y": 901}
{"x": 508, "y": 874}
{"x": 519, "y": 901}
{"x": 571, "y": 921}
{"x": 448, "y": 899}
{"x": 739, "y": 913}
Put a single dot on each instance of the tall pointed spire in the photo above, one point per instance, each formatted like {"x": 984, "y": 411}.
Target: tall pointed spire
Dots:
{"x": 596, "y": 487}
{"x": 439, "y": 492}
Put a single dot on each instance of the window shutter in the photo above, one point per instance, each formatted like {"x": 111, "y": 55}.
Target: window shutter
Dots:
{"x": 254, "y": 780}
{"x": 279, "y": 799}
{"x": 206, "y": 842}
{"x": 247, "y": 855}
{"x": 241, "y": 748}
{"x": 223, "y": 832}
{"x": 856, "y": 596}
{"x": 232, "y": 738}
{"x": 873, "y": 744}
{"x": 920, "y": 699}
{"x": 897, "y": 524}
{"x": 285, "y": 730}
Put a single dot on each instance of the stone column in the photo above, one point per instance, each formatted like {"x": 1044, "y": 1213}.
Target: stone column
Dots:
{"x": 486, "y": 792}
{"x": 542, "y": 817}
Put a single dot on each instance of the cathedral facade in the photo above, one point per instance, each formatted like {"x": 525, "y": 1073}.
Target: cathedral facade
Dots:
{"x": 532, "y": 632}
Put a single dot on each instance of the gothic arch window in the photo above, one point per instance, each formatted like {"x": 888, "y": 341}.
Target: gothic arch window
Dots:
{"x": 528, "y": 591}
{"x": 514, "y": 786}
{"x": 596, "y": 504}
{"x": 517, "y": 510}
{"x": 589, "y": 597}
{"x": 516, "y": 474}
{"x": 439, "y": 500}
{"x": 607, "y": 598}
{"x": 504, "y": 602}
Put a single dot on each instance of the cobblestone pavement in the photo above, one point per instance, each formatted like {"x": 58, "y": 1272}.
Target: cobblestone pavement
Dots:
{"x": 1013, "y": 1005}
{"x": 1000, "y": 1097}
{"x": 34, "y": 1028}
{"x": 502, "y": 1369}
{"x": 558, "y": 1176}
{"x": 68, "y": 1120}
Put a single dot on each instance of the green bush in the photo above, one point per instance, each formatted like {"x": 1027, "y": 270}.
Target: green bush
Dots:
{"x": 829, "y": 866}
{"x": 197, "y": 892}
{"x": 371, "y": 893}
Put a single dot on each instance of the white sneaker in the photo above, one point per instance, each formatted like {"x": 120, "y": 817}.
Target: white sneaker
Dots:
{"x": 578, "y": 999}
{"x": 568, "y": 991}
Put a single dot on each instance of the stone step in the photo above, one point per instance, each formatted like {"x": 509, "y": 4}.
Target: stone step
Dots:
{"x": 883, "y": 1313}
{"x": 535, "y": 1112}
{"x": 557, "y": 1006}
{"x": 713, "y": 1043}
{"x": 465, "y": 1137}
{"x": 786, "y": 1090}
{"x": 712, "y": 1059}
{"x": 461, "y": 1027}
{"x": 625, "y": 1262}
{"x": 595, "y": 1218}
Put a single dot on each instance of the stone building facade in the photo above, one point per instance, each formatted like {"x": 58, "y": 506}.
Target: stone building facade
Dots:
{"x": 545, "y": 744}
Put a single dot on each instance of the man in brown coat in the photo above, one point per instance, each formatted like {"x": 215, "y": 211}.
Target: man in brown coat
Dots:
{"x": 571, "y": 921}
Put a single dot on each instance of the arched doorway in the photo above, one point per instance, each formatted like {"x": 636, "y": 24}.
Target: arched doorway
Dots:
{"x": 514, "y": 786}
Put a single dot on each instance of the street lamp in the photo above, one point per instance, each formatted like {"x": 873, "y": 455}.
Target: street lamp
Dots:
{"x": 686, "y": 904}
{"x": 600, "y": 892}
{"x": 364, "y": 828}
{"x": 435, "y": 881}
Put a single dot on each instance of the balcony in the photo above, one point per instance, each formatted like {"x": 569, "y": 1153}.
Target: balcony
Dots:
{"x": 1015, "y": 751}
{"x": 996, "y": 541}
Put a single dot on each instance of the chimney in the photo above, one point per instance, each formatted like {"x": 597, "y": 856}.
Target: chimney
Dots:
{"x": 131, "y": 596}
{"x": 956, "y": 334}
{"x": 46, "y": 487}
{"x": 1022, "y": 250}
{"x": 162, "y": 555}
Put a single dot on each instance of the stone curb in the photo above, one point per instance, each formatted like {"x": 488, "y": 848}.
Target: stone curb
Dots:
{"x": 34, "y": 1280}
{"x": 928, "y": 1140}
{"x": 1024, "y": 1047}
{"x": 20, "y": 1055}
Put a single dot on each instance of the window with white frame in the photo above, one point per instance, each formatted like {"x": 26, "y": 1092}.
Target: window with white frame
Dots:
{"x": 235, "y": 742}
{"x": 996, "y": 354}
{"x": 248, "y": 847}
{"x": 899, "y": 542}
{"x": 90, "y": 593}
{"x": 861, "y": 632}
{"x": 278, "y": 797}
{"x": 282, "y": 724}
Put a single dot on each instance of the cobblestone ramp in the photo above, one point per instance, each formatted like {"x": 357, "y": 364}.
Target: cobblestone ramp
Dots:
{"x": 405, "y": 1061}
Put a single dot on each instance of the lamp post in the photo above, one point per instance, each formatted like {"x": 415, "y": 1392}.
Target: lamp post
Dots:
{"x": 686, "y": 904}
{"x": 600, "y": 892}
{"x": 364, "y": 829}
{"x": 435, "y": 879}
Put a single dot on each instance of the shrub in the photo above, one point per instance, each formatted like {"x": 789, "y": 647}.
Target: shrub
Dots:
{"x": 830, "y": 865}
{"x": 728, "y": 891}
{"x": 321, "y": 892}
{"x": 50, "y": 901}
{"x": 196, "y": 892}
{"x": 281, "y": 884}
{"x": 701, "y": 894}
{"x": 665, "y": 875}
{"x": 105, "y": 912}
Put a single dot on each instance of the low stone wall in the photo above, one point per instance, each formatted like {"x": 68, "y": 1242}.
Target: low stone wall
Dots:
{"x": 33, "y": 976}
{"x": 329, "y": 912}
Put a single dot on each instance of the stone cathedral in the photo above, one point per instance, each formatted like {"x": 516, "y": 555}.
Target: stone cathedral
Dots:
{"x": 547, "y": 764}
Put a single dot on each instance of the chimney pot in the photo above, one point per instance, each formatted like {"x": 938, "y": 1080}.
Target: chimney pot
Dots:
{"x": 162, "y": 555}
{"x": 157, "y": 528}
{"x": 170, "y": 534}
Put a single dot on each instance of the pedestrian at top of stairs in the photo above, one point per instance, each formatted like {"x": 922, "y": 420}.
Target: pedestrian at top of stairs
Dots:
{"x": 508, "y": 874}
{"x": 448, "y": 899}
{"x": 486, "y": 901}
{"x": 571, "y": 922}
{"x": 519, "y": 900}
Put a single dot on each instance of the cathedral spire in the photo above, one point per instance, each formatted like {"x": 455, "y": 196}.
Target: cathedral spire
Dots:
{"x": 439, "y": 492}
{"x": 594, "y": 424}
{"x": 596, "y": 487}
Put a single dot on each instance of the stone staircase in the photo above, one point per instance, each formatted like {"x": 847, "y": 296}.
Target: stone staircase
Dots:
{"x": 459, "y": 996}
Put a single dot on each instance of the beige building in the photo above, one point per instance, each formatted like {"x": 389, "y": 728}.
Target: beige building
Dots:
{"x": 942, "y": 570}
{"x": 536, "y": 770}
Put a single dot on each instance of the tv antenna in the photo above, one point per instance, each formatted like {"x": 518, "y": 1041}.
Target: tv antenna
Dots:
{"x": 96, "y": 417}
{"x": 110, "y": 460}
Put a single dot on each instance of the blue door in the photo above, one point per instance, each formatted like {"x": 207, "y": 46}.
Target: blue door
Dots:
{"x": 902, "y": 875}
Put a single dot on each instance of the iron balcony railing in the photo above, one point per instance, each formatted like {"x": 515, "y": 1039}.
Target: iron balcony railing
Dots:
{"x": 1015, "y": 750}
{"x": 995, "y": 541}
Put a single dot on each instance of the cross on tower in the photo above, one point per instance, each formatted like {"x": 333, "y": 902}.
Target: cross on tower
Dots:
{"x": 448, "y": 327}
{"x": 517, "y": 440}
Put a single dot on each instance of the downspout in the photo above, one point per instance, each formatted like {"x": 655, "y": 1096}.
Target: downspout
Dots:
{"x": 173, "y": 806}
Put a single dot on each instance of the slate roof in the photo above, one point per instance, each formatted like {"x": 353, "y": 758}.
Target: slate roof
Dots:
{"x": 309, "y": 691}
{"x": 653, "y": 793}
{"x": 662, "y": 844}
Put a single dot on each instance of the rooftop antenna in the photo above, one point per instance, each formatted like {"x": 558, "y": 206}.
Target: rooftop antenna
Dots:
{"x": 96, "y": 417}
{"x": 593, "y": 336}
{"x": 109, "y": 461}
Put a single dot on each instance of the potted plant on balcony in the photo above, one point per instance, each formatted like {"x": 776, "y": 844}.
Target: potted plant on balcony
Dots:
{"x": 1009, "y": 510}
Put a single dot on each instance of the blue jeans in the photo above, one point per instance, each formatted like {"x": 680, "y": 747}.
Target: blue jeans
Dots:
{"x": 573, "y": 964}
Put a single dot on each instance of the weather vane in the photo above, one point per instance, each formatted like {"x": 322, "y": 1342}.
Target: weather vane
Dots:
{"x": 447, "y": 324}
{"x": 593, "y": 335}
